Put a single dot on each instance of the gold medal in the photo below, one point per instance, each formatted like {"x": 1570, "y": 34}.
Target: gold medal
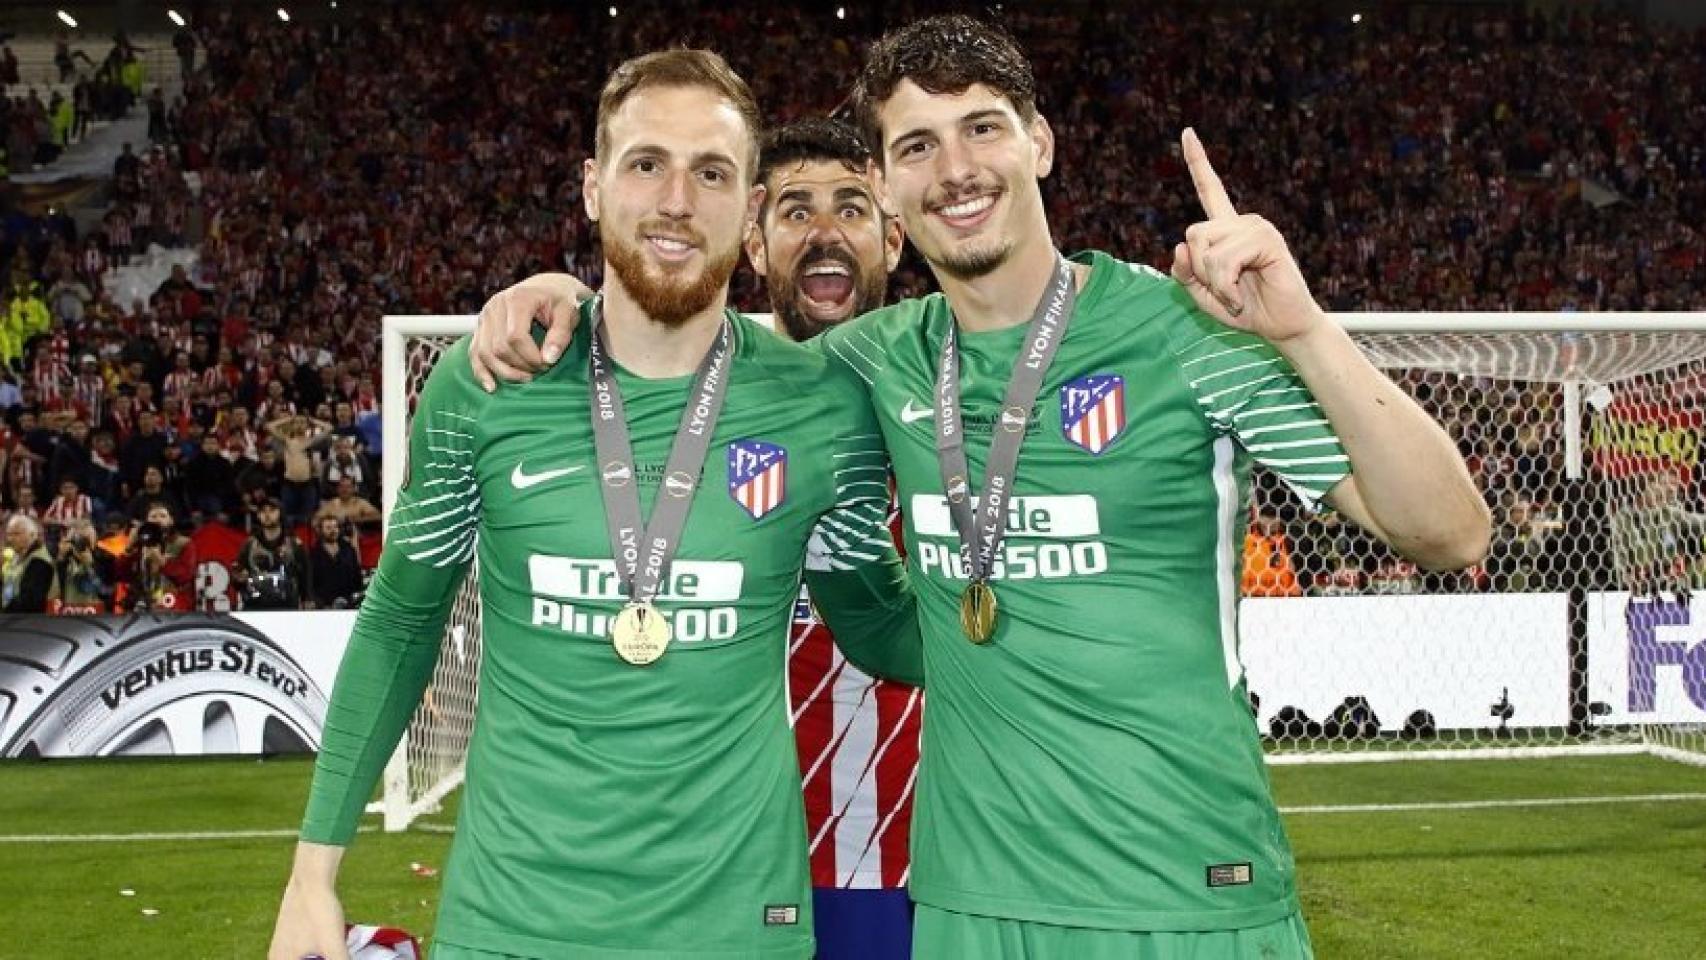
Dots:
{"x": 640, "y": 634}
{"x": 977, "y": 611}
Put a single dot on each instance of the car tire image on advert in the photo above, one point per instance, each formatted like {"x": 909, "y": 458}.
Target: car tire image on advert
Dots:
{"x": 151, "y": 685}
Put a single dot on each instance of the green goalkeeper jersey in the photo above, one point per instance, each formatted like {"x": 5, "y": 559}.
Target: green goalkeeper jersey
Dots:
{"x": 1096, "y": 764}
{"x": 613, "y": 810}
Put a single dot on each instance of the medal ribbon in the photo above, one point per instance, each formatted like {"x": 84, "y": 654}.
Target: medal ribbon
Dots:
{"x": 980, "y": 537}
{"x": 644, "y": 551}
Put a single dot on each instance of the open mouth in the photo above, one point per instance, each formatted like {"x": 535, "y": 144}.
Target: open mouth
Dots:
{"x": 826, "y": 288}
{"x": 967, "y": 214}
{"x": 673, "y": 249}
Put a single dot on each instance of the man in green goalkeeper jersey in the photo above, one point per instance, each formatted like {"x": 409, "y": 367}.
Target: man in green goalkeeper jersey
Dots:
{"x": 640, "y": 514}
{"x": 1092, "y": 782}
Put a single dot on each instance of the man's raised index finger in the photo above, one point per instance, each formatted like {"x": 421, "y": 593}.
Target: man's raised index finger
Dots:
{"x": 1215, "y": 203}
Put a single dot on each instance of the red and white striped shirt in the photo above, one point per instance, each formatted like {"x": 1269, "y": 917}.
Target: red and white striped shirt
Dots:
{"x": 89, "y": 395}
{"x": 180, "y": 382}
{"x": 62, "y": 511}
{"x": 858, "y": 747}
{"x": 94, "y": 262}
{"x": 118, "y": 231}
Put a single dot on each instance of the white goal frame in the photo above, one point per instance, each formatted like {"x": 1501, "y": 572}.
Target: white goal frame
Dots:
{"x": 400, "y": 809}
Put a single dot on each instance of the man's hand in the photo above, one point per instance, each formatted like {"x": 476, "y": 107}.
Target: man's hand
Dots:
{"x": 503, "y": 344}
{"x": 310, "y": 923}
{"x": 1237, "y": 267}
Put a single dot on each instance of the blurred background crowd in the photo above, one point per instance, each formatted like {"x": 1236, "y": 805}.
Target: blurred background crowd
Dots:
{"x": 212, "y": 435}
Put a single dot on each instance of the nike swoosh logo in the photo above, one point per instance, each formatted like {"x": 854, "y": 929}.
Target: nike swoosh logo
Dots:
{"x": 521, "y": 479}
{"x": 909, "y": 413}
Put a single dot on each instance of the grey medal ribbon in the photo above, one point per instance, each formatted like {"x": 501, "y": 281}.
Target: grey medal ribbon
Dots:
{"x": 643, "y": 550}
{"x": 981, "y": 536}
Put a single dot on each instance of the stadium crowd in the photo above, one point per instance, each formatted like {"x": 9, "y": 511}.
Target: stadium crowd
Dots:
{"x": 416, "y": 158}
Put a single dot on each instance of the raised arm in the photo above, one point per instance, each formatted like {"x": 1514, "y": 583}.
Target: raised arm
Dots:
{"x": 1408, "y": 484}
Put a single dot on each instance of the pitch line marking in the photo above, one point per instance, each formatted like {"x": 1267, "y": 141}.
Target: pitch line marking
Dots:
{"x": 157, "y": 837}
{"x": 1446, "y": 805}
{"x": 1289, "y": 811}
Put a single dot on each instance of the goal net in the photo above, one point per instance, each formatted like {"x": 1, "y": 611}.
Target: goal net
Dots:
{"x": 1584, "y": 433}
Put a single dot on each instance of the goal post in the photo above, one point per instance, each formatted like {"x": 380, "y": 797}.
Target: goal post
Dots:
{"x": 428, "y": 762}
{"x": 1586, "y": 432}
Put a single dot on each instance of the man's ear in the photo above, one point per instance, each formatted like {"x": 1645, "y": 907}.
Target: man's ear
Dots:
{"x": 880, "y": 187}
{"x": 894, "y": 241}
{"x": 589, "y": 187}
{"x": 757, "y": 253}
{"x": 1042, "y": 139}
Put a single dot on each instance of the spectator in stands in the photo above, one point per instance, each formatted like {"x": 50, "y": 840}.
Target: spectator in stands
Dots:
{"x": 26, "y": 504}
{"x": 1657, "y": 541}
{"x": 158, "y": 566}
{"x": 69, "y": 298}
{"x": 85, "y": 570}
{"x": 1268, "y": 571}
{"x": 347, "y": 463}
{"x": 176, "y": 475}
{"x": 72, "y": 459}
{"x": 334, "y": 567}
{"x": 28, "y": 579}
{"x": 212, "y": 480}
{"x": 183, "y": 42}
{"x": 70, "y": 507}
{"x": 1523, "y": 554}
{"x": 296, "y": 439}
{"x": 271, "y": 565}
{"x": 103, "y": 479}
{"x": 151, "y": 493}
{"x": 262, "y": 479}
{"x": 142, "y": 450}
{"x": 349, "y": 507}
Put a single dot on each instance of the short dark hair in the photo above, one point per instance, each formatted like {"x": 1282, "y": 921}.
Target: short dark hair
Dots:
{"x": 945, "y": 54}
{"x": 814, "y": 139}
{"x": 811, "y": 140}
{"x": 678, "y": 67}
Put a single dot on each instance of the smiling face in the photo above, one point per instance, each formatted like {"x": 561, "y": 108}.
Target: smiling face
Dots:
{"x": 671, "y": 198}
{"x": 961, "y": 169}
{"x": 822, "y": 245}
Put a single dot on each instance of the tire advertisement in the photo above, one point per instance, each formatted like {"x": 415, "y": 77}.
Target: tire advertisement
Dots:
{"x": 174, "y": 684}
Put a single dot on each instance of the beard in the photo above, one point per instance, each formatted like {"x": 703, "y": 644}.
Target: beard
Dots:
{"x": 969, "y": 264}
{"x": 667, "y": 296}
{"x": 868, "y": 293}
{"x": 981, "y": 256}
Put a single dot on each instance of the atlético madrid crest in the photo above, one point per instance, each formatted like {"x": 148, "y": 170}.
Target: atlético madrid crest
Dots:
{"x": 758, "y": 476}
{"x": 1092, "y": 410}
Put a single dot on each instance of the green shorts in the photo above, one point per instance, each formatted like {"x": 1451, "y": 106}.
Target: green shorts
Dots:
{"x": 946, "y": 935}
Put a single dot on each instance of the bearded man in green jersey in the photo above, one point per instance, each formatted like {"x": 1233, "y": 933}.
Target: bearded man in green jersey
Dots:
{"x": 640, "y": 514}
{"x": 824, "y": 249}
{"x": 1071, "y": 442}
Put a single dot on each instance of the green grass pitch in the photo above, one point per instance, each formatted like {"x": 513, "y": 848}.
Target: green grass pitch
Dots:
{"x": 1623, "y": 879}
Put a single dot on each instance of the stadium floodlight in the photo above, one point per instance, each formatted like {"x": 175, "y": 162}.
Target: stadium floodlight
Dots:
{"x": 1356, "y": 18}
{"x": 613, "y": 10}
{"x": 67, "y": 19}
{"x": 284, "y": 14}
{"x": 175, "y": 17}
{"x": 840, "y": 13}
